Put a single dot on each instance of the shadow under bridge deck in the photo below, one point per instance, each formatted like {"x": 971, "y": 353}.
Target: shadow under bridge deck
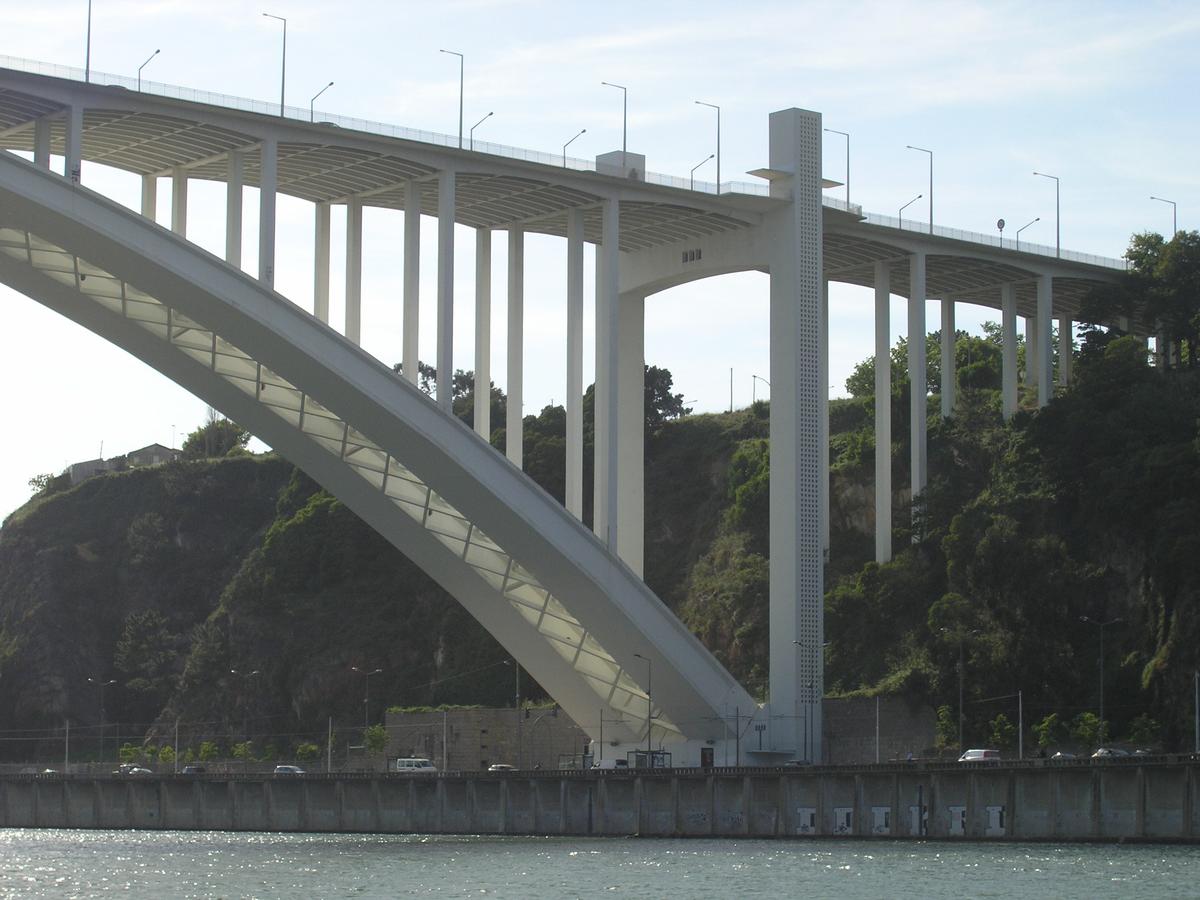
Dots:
{"x": 564, "y": 606}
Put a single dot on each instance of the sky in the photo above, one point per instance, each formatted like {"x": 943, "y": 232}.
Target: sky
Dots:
{"x": 1100, "y": 94}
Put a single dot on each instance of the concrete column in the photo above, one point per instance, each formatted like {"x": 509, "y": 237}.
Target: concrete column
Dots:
{"x": 574, "y": 402}
{"x": 483, "y": 333}
{"x": 445, "y": 299}
{"x": 1045, "y": 356}
{"x": 1008, "y": 348}
{"x": 1031, "y": 351}
{"x": 916, "y": 371}
{"x": 321, "y": 260}
{"x": 608, "y": 306}
{"x": 514, "y": 425}
{"x": 599, "y": 404}
{"x": 150, "y": 197}
{"x": 883, "y": 413}
{"x": 73, "y": 143}
{"x": 949, "y": 381}
{"x": 794, "y": 257}
{"x": 354, "y": 224}
{"x": 631, "y": 426}
{"x": 267, "y": 182}
{"x": 179, "y": 198}
{"x": 823, "y": 436}
{"x": 412, "y": 280}
{"x": 1066, "y": 342}
{"x": 41, "y": 143}
{"x": 234, "y": 181}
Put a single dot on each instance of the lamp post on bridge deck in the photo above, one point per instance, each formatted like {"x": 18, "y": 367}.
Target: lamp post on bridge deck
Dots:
{"x": 1057, "y": 218}
{"x": 1174, "y": 218}
{"x": 846, "y": 135}
{"x": 930, "y": 152}
{"x": 624, "y": 122}
{"x": 366, "y": 697}
{"x": 311, "y": 112}
{"x": 718, "y": 153}
{"x": 582, "y": 132}
{"x": 900, "y": 214}
{"x": 143, "y": 65}
{"x": 460, "y": 92}
{"x": 649, "y": 707}
{"x": 1022, "y": 228}
{"x": 1101, "y": 625}
{"x": 283, "y": 64}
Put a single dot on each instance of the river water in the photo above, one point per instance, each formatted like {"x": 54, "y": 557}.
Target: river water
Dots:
{"x": 187, "y": 864}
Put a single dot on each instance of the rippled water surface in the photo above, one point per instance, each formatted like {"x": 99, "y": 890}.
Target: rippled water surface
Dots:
{"x": 60, "y": 863}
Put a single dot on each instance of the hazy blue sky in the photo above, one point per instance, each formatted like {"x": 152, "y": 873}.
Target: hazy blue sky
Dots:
{"x": 1101, "y": 94}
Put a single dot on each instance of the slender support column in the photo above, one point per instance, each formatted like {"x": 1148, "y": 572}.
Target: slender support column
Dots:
{"x": 794, "y": 259}
{"x": 883, "y": 413}
{"x": 73, "y": 143}
{"x": 1066, "y": 344}
{"x": 599, "y": 403}
{"x": 179, "y": 200}
{"x": 916, "y": 371}
{"x": 631, "y": 424}
{"x": 483, "y": 333}
{"x": 949, "y": 376}
{"x": 150, "y": 197}
{"x": 823, "y": 438}
{"x": 514, "y": 420}
{"x": 574, "y": 402}
{"x": 445, "y": 300}
{"x": 41, "y": 143}
{"x": 608, "y": 305}
{"x": 321, "y": 260}
{"x": 267, "y": 184}
{"x": 234, "y": 181}
{"x": 412, "y": 280}
{"x": 1031, "y": 350}
{"x": 1045, "y": 356}
{"x": 1008, "y": 348}
{"x": 354, "y": 224}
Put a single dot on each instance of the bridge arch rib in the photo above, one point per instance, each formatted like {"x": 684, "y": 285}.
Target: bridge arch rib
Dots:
{"x": 558, "y": 600}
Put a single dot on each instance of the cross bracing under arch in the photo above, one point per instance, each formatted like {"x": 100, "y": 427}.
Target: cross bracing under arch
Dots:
{"x": 560, "y": 602}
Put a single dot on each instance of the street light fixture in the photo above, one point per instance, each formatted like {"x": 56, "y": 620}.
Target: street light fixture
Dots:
{"x": 1174, "y": 220}
{"x": 692, "y": 174}
{"x": 930, "y": 152}
{"x": 1057, "y": 219}
{"x": 754, "y": 379}
{"x": 366, "y": 696}
{"x": 1101, "y": 626}
{"x": 245, "y": 717}
{"x": 582, "y": 132}
{"x": 102, "y": 685}
{"x": 460, "y": 92}
{"x": 810, "y": 696}
{"x": 311, "y": 113}
{"x": 1023, "y": 227}
{"x": 87, "y": 63}
{"x": 718, "y": 153}
{"x": 649, "y": 707}
{"x": 143, "y": 65}
{"x": 476, "y": 125}
{"x": 900, "y": 214}
{"x": 846, "y": 135}
{"x": 283, "y": 65}
{"x": 624, "y": 116}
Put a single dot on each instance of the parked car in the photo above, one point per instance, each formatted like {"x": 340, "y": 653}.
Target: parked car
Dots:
{"x": 131, "y": 769}
{"x": 1062, "y": 754}
{"x": 288, "y": 770}
{"x": 413, "y": 765}
{"x": 501, "y": 767}
{"x": 192, "y": 769}
{"x": 619, "y": 765}
{"x": 1112, "y": 752}
{"x": 980, "y": 756}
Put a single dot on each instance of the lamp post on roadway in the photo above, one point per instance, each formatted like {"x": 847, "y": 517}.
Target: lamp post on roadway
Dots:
{"x": 1057, "y": 219}
{"x": 460, "y": 92}
{"x": 582, "y": 132}
{"x": 624, "y": 119}
{"x": 846, "y": 135}
{"x": 754, "y": 379}
{"x": 102, "y": 685}
{"x": 649, "y": 707}
{"x": 692, "y": 174}
{"x": 930, "y": 152}
{"x": 476, "y": 125}
{"x": 718, "y": 153}
{"x": 311, "y": 113}
{"x": 366, "y": 696}
{"x": 900, "y": 214}
{"x": 1174, "y": 220}
{"x": 1102, "y": 626}
{"x": 245, "y": 717}
{"x": 283, "y": 64}
{"x": 87, "y": 60}
{"x": 143, "y": 65}
{"x": 1022, "y": 228}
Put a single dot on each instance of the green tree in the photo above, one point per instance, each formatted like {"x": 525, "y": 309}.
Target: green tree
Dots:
{"x": 945, "y": 729}
{"x": 307, "y": 751}
{"x": 209, "y": 751}
{"x": 1050, "y": 731}
{"x": 217, "y": 437}
{"x": 1145, "y": 730}
{"x": 1087, "y": 729}
{"x": 146, "y": 656}
{"x": 166, "y": 755}
{"x": 375, "y": 739}
{"x": 1003, "y": 732}
{"x": 243, "y": 751}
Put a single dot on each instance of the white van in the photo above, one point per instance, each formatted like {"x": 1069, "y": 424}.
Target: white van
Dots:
{"x": 611, "y": 764}
{"x": 980, "y": 756}
{"x": 417, "y": 765}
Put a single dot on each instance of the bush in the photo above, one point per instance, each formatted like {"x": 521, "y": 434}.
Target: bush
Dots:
{"x": 1051, "y": 730}
{"x": 307, "y": 751}
{"x": 166, "y": 755}
{"x": 1003, "y": 732}
{"x": 244, "y": 751}
{"x": 209, "y": 751}
{"x": 1087, "y": 729}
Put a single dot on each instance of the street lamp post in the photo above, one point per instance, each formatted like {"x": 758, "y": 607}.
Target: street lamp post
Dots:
{"x": 311, "y": 112}
{"x": 1057, "y": 219}
{"x": 649, "y": 707}
{"x": 846, "y": 135}
{"x": 476, "y": 125}
{"x": 460, "y": 92}
{"x": 143, "y": 65}
{"x": 102, "y": 685}
{"x": 87, "y": 60}
{"x": 1101, "y": 626}
{"x": 810, "y": 697}
{"x": 900, "y": 214}
{"x": 692, "y": 174}
{"x": 624, "y": 116}
{"x": 245, "y": 716}
{"x": 1174, "y": 219}
{"x": 366, "y": 696}
{"x": 930, "y": 152}
{"x": 718, "y": 153}
{"x": 582, "y": 131}
{"x": 1023, "y": 227}
{"x": 283, "y": 64}
{"x": 754, "y": 379}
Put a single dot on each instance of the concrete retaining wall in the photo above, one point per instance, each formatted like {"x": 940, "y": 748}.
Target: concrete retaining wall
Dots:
{"x": 1153, "y": 801}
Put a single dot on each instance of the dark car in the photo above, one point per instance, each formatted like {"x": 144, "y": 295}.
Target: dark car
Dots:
{"x": 192, "y": 770}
